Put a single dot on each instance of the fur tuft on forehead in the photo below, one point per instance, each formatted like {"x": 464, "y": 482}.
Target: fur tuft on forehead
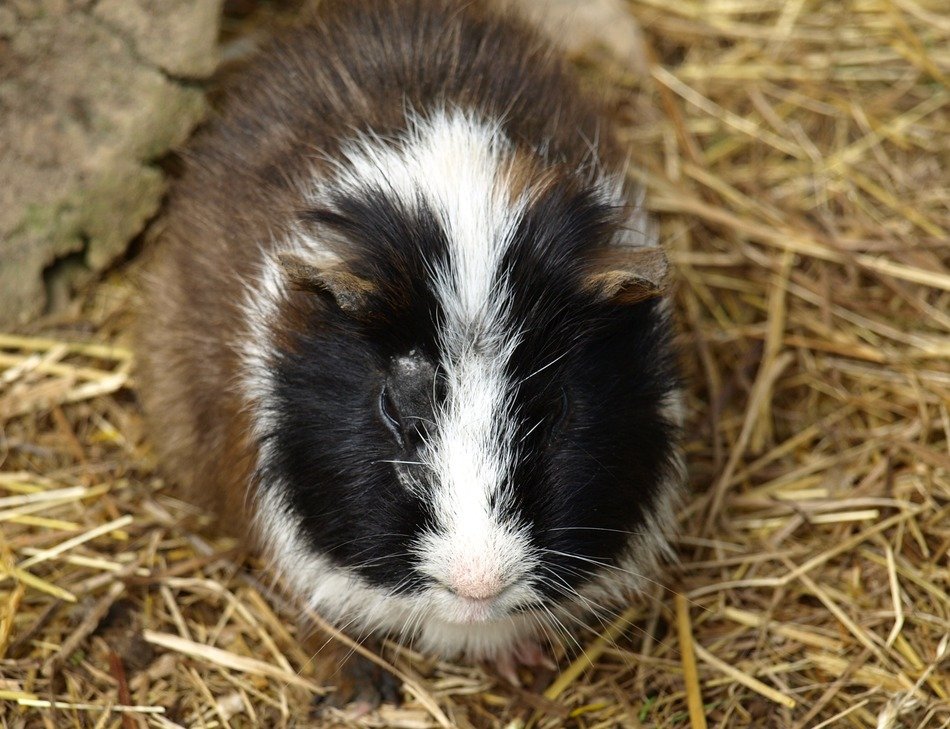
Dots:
{"x": 454, "y": 199}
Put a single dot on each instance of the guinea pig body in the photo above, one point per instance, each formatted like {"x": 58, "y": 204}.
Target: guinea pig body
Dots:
{"x": 407, "y": 330}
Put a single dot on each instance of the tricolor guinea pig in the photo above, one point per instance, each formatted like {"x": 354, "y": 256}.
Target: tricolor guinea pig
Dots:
{"x": 408, "y": 330}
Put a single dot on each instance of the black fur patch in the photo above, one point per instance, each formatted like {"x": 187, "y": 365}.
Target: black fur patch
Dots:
{"x": 586, "y": 476}
{"x": 331, "y": 443}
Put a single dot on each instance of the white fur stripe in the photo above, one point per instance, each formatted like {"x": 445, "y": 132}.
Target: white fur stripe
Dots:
{"x": 457, "y": 166}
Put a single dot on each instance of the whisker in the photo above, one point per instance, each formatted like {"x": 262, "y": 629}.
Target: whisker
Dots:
{"x": 638, "y": 575}
{"x": 329, "y": 639}
{"x": 613, "y": 615}
{"x": 573, "y": 595}
{"x": 430, "y": 421}
{"x": 400, "y": 535}
{"x": 595, "y": 529}
{"x": 549, "y": 364}
{"x": 563, "y": 628}
{"x": 533, "y": 428}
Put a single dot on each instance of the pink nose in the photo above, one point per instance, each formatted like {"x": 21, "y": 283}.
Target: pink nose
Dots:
{"x": 475, "y": 584}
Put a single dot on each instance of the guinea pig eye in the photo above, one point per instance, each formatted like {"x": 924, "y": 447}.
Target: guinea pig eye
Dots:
{"x": 390, "y": 415}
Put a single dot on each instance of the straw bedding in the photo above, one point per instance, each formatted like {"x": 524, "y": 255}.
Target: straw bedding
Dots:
{"x": 797, "y": 155}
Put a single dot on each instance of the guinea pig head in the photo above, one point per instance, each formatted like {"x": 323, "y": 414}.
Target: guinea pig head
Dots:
{"x": 464, "y": 393}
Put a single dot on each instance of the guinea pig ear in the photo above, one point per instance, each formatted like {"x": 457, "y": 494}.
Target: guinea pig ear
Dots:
{"x": 327, "y": 278}
{"x": 629, "y": 275}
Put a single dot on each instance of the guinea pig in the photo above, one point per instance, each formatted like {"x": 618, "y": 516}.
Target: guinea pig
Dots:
{"x": 408, "y": 331}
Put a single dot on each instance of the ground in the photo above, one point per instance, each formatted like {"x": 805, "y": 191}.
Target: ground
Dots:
{"x": 796, "y": 156}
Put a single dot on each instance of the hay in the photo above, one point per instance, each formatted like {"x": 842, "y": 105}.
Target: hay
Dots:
{"x": 796, "y": 154}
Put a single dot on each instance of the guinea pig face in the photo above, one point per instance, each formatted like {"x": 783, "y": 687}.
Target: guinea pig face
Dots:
{"x": 463, "y": 394}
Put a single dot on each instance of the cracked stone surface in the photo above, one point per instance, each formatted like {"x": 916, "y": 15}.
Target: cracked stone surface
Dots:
{"x": 91, "y": 93}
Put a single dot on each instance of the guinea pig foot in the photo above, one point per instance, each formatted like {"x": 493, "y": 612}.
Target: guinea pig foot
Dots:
{"x": 361, "y": 687}
{"x": 524, "y": 653}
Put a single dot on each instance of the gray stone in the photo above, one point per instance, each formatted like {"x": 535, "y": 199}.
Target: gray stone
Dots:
{"x": 83, "y": 113}
{"x": 174, "y": 35}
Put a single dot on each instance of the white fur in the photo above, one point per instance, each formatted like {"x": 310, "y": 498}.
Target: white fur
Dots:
{"x": 457, "y": 166}
{"x": 438, "y": 624}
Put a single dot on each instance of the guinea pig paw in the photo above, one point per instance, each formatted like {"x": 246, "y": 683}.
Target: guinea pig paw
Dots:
{"x": 524, "y": 653}
{"x": 361, "y": 687}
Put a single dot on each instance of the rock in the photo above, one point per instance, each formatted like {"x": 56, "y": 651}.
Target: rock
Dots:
{"x": 86, "y": 104}
{"x": 174, "y": 35}
{"x": 583, "y": 26}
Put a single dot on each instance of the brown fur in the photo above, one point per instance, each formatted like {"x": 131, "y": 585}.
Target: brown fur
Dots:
{"x": 353, "y": 66}
{"x": 629, "y": 275}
